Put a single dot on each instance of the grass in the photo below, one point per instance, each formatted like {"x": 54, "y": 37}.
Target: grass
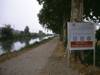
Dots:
{"x": 11, "y": 55}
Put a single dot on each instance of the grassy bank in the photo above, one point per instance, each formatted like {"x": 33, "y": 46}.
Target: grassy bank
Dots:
{"x": 10, "y": 55}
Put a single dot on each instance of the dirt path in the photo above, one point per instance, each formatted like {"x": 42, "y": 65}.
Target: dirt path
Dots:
{"x": 57, "y": 64}
{"x": 29, "y": 63}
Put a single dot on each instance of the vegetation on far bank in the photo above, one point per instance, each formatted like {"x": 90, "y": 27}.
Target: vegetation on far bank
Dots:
{"x": 8, "y": 33}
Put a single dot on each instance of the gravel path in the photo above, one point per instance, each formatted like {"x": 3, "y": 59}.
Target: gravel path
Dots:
{"x": 29, "y": 63}
{"x": 57, "y": 64}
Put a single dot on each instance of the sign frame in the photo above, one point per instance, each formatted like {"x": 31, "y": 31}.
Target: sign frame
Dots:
{"x": 69, "y": 49}
{"x": 69, "y": 34}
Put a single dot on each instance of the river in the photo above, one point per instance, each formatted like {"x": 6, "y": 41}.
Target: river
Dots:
{"x": 11, "y": 46}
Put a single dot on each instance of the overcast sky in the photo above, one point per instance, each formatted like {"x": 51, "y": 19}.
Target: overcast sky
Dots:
{"x": 20, "y": 13}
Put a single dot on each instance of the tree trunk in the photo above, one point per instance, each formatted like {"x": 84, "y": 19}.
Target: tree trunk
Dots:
{"x": 76, "y": 16}
{"x": 76, "y": 10}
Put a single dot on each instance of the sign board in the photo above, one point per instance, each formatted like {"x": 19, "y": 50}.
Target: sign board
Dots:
{"x": 81, "y": 36}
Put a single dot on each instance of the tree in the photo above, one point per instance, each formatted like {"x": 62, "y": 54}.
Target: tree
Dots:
{"x": 7, "y": 32}
{"x": 26, "y": 30}
{"x": 55, "y": 13}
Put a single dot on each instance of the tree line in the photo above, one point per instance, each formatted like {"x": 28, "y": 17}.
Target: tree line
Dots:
{"x": 55, "y": 13}
{"x": 8, "y": 33}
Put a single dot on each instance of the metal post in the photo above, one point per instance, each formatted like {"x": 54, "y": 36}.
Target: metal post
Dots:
{"x": 94, "y": 59}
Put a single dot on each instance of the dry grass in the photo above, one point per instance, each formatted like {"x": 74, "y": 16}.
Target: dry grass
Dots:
{"x": 59, "y": 51}
{"x": 57, "y": 64}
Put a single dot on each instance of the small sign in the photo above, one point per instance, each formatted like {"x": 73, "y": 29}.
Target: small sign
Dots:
{"x": 81, "y": 36}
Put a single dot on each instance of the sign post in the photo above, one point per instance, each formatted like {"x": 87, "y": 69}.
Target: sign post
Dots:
{"x": 81, "y": 36}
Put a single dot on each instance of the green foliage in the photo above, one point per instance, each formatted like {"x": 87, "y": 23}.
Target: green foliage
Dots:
{"x": 92, "y": 5}
{"x": 89, "y": 56}
{"x": 26, "y": 30}
{"x": 98, "y": 34}
{"x": 89, "y": 53}
{"x": 56, "y": 12}
{"x": 98, "y": 55}
{"x": 7, "y": 32}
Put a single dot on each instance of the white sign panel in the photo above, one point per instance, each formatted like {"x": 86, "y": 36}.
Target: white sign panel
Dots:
{"x": 81, "y": 36}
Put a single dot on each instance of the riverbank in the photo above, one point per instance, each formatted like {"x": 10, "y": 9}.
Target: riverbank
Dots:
{"x": 30, "y": 62}
{"x": 10, "y": 55}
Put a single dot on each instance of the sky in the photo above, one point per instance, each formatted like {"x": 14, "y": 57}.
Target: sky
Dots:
{"x": 21, "y": 13}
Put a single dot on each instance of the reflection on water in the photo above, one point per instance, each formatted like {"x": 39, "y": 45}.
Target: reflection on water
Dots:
{"x": 11, "y": 46}
{"x": 1, "y": 51}
{"x": 32, "y": 41}
{"x": 6, "y": 46}
{"x": 17, "y": 46}
{"x": 26, "y": 41}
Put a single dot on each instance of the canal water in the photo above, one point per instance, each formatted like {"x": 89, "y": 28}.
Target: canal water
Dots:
{"x": 11, "y": 46}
